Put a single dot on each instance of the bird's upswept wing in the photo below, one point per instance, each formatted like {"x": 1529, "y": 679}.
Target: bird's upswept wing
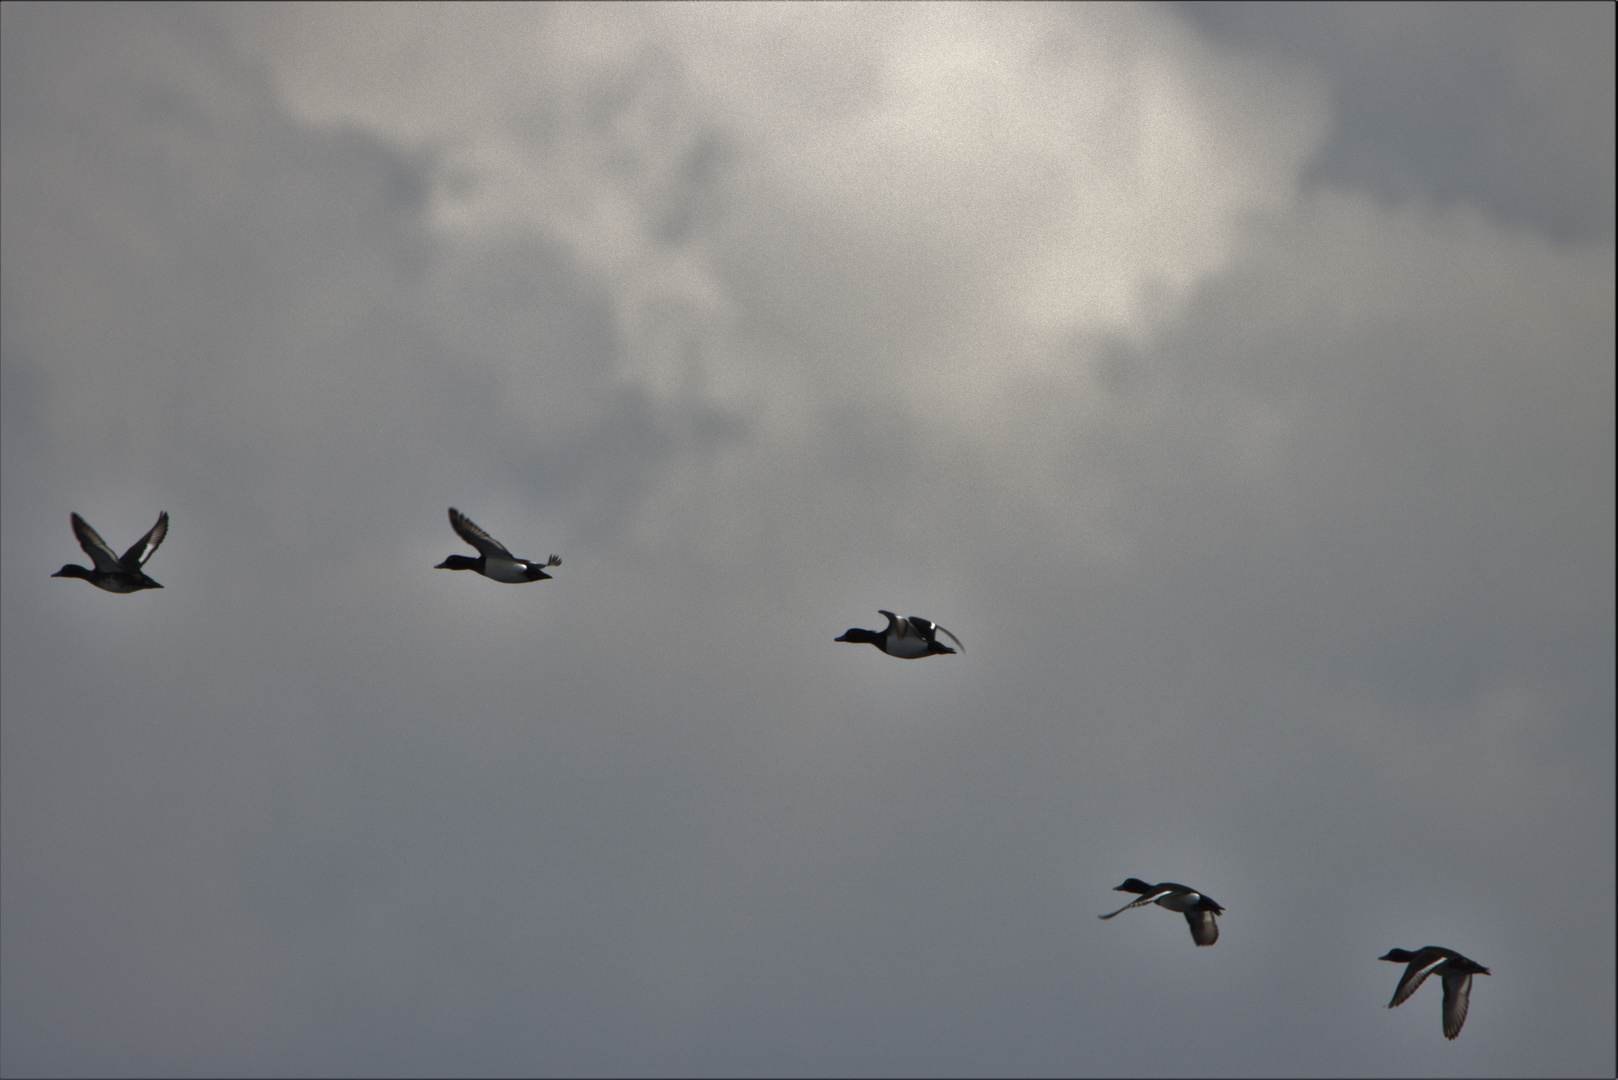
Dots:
{"x": 96, "y": 548}
{"x": 897, "y": 627}
{"x": 932, "y": 626}
{"x": 468, "y": 530}
{"x": 136, "y": 556}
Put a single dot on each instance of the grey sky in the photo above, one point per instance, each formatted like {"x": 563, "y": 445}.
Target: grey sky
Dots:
{"x": 1236, "y": 382}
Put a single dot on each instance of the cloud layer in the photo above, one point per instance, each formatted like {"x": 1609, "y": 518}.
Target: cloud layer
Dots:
{"x": 1271, "y": 494}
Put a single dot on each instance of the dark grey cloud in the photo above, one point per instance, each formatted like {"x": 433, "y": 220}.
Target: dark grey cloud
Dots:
{"x": 1274, "y": 505}
{"x": 1506, "y": 105}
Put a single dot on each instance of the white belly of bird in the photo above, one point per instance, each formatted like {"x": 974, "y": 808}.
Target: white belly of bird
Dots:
{"x": 908, "y": 647}
{"x": 505, "y": 570}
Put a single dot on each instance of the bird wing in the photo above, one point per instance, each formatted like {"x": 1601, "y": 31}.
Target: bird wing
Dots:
{"x": 922, "y": 628}
{"x": 1457, "y": 996}
{"x": 952, "y": 637}
{"x": 468, "y": 530}
{"x": 897, "y": 627}
{"x": 1141, "y": 901}
{"x": 96, "y": 548}
{"x": 136, "y": 556}
{"x": 1414, "y": 976}
{"x": 1204, "y": 931}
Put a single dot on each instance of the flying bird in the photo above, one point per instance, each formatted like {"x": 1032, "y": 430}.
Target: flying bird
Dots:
{"x": 115, "y": 574}
{"x": 908, "y": 639}
{"x": 1199, "y": 910}
{"x": 1456, "y": 971}
{"x": 493, "y": 561}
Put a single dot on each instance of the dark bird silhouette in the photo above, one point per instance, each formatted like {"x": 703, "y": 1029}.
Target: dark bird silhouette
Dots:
{"x": 908, "y": 639}
{"x": 1199, "y": 910}
{"x": 120, "y": 574}
{"x": 1456, "y": 971}
{"x": 493, "y": 561}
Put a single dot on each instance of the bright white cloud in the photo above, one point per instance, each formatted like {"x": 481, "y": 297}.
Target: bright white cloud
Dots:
{"x": 983, "y": 183}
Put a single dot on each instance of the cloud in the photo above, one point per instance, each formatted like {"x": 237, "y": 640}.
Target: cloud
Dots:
{"x": 1072, "y": 172}
{"x": 1500, "y": 107}
{"x": 1275, "y": 512}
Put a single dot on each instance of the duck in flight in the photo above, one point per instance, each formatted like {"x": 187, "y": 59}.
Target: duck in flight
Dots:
{"x": 908, "y": 639}
{"x": 115, "y": 574}
{"x": 1456, "y": 971}
{"x": 1199, "y": 910}
{"x": 493, "y": 561}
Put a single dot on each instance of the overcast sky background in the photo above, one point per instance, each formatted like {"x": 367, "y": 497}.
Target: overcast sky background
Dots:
{"x": 1236, "y": 382}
